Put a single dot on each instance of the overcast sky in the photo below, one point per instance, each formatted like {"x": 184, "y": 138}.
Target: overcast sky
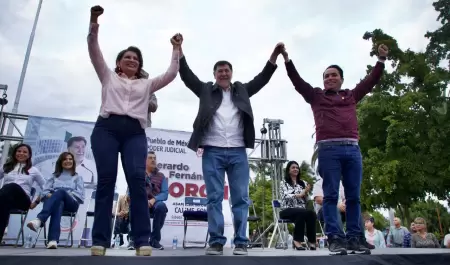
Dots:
{"x": 61, "y": 81}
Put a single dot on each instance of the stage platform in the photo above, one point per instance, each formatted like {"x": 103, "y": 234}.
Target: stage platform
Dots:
{"x": 74, "y": 256}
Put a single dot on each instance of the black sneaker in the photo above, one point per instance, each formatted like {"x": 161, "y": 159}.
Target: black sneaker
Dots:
{"x": 366, "y": 244}
{"x": 356, "y": 246}
{"x": 215, "y": 249}
{"x": 157, "y": 245}
{"x": 337, "y": 246}
{"x": 240, "y": 249}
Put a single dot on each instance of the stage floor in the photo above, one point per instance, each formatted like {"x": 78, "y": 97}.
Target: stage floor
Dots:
{"x": 72, "y": 256}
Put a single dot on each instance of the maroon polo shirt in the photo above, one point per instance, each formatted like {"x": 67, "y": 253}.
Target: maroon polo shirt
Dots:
{"x": 335, "y": 112}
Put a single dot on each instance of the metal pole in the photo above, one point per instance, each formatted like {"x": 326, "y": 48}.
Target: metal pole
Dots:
{"x": 21, "y": 81}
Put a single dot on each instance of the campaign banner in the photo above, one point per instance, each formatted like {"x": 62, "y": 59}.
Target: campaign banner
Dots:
{"x": 49, "y": 137}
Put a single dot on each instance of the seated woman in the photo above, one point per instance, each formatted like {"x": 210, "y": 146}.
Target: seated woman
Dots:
{"x": 373, "y": 236}
{"x": 63, "y": 191}
{"x": 19, "y": 176}
{"x": 294, "y": 196}
{"x": 423, "y": 239}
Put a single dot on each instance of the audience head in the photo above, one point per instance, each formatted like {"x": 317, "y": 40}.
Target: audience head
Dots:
{"x": 412, "y": 227}
{"x": 333, "y": 77}
{"x": 291, "y": 172}
{"x": 397, "y": 221}
{"x": 151, "y": 161}
{"x": 130, "y": 62}
{"x": 21, "y": 154}
{"x": 223, "y": 72}
{"x": 420, "y": 225}
{"x": 369, "y": 223}
{"x": 65, "y": 162}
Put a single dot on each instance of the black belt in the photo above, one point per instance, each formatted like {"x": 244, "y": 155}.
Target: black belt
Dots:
{"x": 330, "y": 143}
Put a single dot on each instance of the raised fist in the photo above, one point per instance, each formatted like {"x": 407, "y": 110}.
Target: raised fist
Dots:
{"x": 383, "y": 51}
{"x": 96, "y": 11}
{"x": 177, "y": 40}
{"x": 278, "y": 48}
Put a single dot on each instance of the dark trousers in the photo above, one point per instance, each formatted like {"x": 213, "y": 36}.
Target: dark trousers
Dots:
{"x": 111, "y": 136}
{"x": 301, "y": 216}
{"x": 121, "y": 226}
{"x": 336, "y": 161}
{"x": 53, "y": 207}
{"x": 215, "y": 162}
{"x": 158, "y": 212}
{"x": 12, "y": 197}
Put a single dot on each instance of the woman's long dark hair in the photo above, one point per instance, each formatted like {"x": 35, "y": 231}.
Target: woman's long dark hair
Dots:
{"x": 12, "y": 160}
{"x": 287, "y": 176}
{"x": 59, "y": 167}
{"x": 140, "y": 59}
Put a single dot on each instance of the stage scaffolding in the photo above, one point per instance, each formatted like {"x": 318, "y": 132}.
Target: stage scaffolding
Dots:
{"x": 4, "y": 118}
{"x": 272, "y": 156}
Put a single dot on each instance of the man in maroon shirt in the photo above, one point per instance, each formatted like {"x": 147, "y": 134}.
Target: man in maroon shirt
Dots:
{"x": 339, "y": 155}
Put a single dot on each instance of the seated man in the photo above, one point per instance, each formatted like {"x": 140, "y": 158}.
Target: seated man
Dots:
{"x": 340, "y": 209}
{"x": 122, "y": 221}
{"x": 157, "y": 188}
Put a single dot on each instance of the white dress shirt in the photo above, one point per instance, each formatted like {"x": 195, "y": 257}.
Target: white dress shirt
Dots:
{"x": 226, "y": 128}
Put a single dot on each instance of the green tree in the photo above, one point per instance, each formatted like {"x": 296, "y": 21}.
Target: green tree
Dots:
{"x": 260, "y": 190}
{"x": 403, "y": 131}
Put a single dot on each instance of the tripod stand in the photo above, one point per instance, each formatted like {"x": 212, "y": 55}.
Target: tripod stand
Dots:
{"x": 274, "y": 154}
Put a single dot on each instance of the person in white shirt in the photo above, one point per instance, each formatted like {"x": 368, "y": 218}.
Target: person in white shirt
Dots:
{"x": 340, "y": 210}
{"x": 318, "y": 201}
{"x": 19, "y": 176}
{"x": 447, "y": 240}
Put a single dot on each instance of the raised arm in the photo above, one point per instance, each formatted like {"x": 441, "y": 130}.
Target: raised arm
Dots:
{"x": 188, "y": 77}
{"x": 255, "y": 85}
{"x": 371, "y": 80}
{"x": 95, "y": 53}
{"x": 164, "y": 79}
{"x": 302, "y": 87}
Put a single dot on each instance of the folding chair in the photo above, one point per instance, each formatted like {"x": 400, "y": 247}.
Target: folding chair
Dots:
{"x": 280, "y": 225}
{"x": 23, "y": 218}
{"x": 90, "y": 213}
{"x": 72, "y": 216}
{"x": 256, "y": 219}
{"x": 196, "y": 216}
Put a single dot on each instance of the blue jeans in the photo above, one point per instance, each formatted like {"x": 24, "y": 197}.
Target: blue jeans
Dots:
{"x": 336, "y": 161}
{"x": 215, "y": 162}
{"x": 53, "y": 207}
{"x": 111, "y": 136}
{"x": 158, "y": 212}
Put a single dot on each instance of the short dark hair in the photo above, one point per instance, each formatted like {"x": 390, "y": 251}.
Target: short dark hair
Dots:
{"x": 151, "y": 153}
{"x": 76, "y": 139}
{"x": 222, "y": 63}
{"x": 337, "y": 67}
{"x": 138, "y": 52}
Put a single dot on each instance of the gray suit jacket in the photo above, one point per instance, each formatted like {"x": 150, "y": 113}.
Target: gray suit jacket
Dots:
{"x": 152, "y": 107}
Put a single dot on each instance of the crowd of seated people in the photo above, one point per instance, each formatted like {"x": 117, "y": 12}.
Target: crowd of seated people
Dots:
{"x": 64, "y": 191}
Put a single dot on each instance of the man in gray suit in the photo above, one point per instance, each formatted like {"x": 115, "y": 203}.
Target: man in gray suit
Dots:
{"x": 153, "y": 105}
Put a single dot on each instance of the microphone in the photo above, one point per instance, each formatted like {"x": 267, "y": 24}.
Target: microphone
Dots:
{"x": 92, "y": 173}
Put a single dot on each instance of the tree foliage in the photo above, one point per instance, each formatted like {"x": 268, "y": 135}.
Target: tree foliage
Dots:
{"x": 404, "y": 126}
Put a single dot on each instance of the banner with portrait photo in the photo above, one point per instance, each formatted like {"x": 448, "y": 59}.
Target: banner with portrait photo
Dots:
{"x": 49, "y": 137}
